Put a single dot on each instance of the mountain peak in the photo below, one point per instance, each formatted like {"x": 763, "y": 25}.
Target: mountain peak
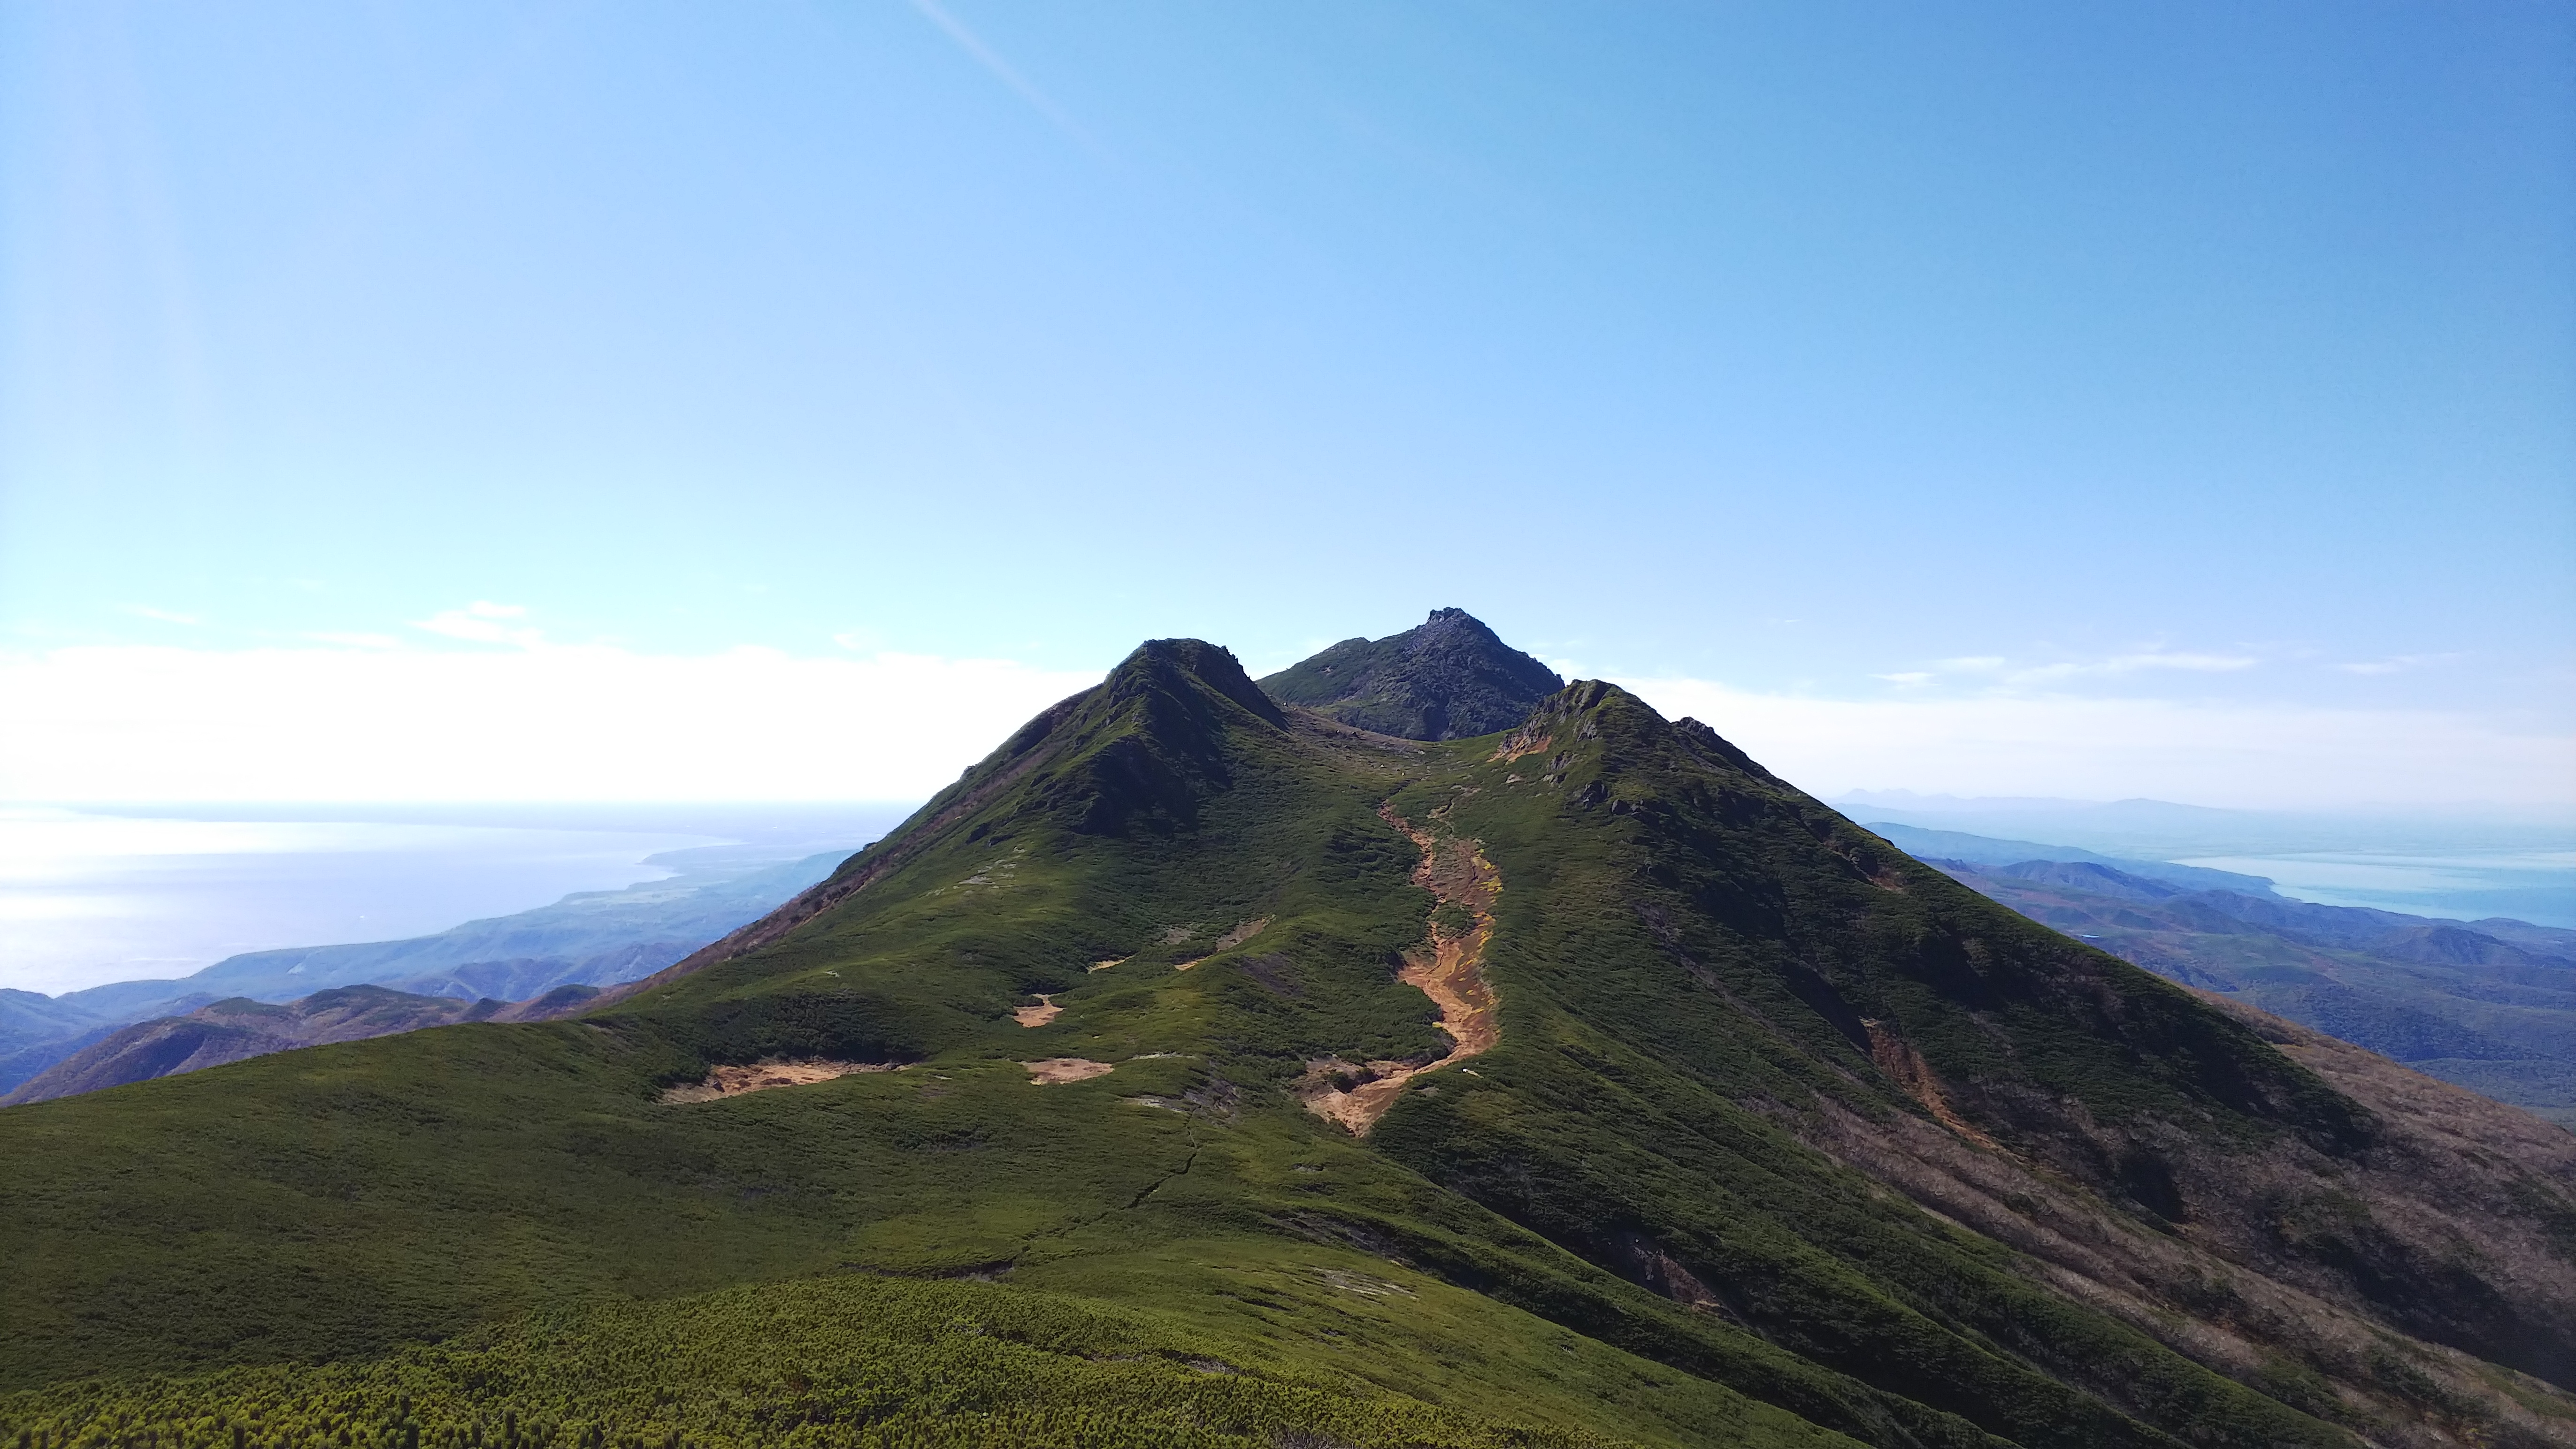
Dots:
{"x": 1213, "y": 665}
{"x": 1447, "y": 678}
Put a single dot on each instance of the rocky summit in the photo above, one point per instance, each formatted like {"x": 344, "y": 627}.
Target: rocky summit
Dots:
{"x": 1211, "y": 1066}
{"x": 1447, "y": 678}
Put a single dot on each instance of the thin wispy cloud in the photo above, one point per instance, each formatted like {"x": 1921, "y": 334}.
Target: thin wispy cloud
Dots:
{"x": 2134, "y": 663}
{"x": 2394, "y": 664}
{"x": 1999, "y": 671}
{"x": 1008, "y": 74}
{"x": 2001, "y": 742}
{"x": 483, "y": 622}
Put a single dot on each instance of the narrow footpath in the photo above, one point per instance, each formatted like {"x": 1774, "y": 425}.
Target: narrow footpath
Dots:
{"x": 1448, "y": 967}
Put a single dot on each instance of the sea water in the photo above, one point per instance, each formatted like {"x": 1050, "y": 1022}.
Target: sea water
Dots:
{"x": 2538, "y": 886}
{"x": 89, "y": 898}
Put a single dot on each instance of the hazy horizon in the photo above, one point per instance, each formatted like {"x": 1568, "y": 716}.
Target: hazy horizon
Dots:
{"x": 146, "y": 908}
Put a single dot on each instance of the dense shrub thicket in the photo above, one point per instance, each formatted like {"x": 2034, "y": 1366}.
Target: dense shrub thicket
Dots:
{"x": 839, "y": 1363}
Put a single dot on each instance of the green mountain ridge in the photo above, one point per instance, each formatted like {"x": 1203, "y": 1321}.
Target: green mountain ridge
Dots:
{"x": 1785, "y": 1139}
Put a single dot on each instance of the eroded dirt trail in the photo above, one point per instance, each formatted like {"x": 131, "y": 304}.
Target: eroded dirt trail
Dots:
{"x": 1448, "y": 967}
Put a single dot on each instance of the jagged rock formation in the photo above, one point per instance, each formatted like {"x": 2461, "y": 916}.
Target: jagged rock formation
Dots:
{"x": 1447, "y": 678}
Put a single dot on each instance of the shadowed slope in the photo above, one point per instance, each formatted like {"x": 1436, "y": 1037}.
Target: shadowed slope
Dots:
{"x": 2449, "y": 999}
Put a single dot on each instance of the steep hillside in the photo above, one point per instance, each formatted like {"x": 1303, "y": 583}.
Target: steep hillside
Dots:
{"x": 2455, "y": 1000}
{"x": 1446, "y": 678}
{"x": 1580, "y": 1080}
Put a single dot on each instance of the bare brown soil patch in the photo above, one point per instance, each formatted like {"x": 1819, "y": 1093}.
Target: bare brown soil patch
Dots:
{"x": 1039, "y": 1015}
{"x": 1105, "y": 965}
{"x": 1054, "y": 1070}
{"x": 1527, "y": 740}
{"x": 1906, "y": 1067}
{"x": 1355, "y": 1094}
{"x": 761, "y": 1076}
{"x": 1448, "y": 967}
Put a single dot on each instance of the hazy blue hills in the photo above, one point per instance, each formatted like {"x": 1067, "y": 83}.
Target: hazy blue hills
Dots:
{"x": 37, "y": 1031}
{"x": 592, "y": 938}
{"x": 238, "y": 1028}
{"x": 1925, "y": 843}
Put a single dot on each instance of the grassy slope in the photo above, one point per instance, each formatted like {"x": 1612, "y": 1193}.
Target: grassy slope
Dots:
{"x": 1693, "y": 946}
{"x": 871, "y": 1362}
{"x": 1667, "y": 967}
{"x": 1610, "y": 1121}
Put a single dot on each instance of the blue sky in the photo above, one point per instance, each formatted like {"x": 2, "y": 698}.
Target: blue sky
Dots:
{"x": 2149, "y": 399}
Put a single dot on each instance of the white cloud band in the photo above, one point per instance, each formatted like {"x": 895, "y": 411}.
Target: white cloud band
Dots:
{"x": 2244, "y": 755}
{"x": 372, "y": 723}
{"x": 550, "y": 723}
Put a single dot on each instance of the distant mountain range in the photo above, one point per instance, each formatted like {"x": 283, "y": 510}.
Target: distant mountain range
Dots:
{"x": 2165, "y": 830}
{"x": 589, "y": 939}
{"x": 238, "y": 1028}
{"x": 2488, "y": 1004}
{"x": 1923, "y": 844}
